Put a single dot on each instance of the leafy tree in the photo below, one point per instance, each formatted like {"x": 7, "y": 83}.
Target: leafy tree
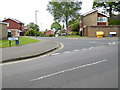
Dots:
{"x": 64, "y": 11}
{"x": 108, "y": 6}
{"x": 56, "y": 26}
{"x": 76, "y": 26}
{"x": 33, "y": 26}
{"x": 30, "y": 32}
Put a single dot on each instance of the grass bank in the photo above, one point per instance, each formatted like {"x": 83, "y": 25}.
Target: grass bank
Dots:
{"x": 22, "y": 41}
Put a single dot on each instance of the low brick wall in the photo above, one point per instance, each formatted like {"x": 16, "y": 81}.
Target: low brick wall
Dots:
{"x": 106, "y": 29}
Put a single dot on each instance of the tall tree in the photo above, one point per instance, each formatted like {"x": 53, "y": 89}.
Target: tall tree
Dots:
{"x": 64, "y": 11}
{"x": 108, "y": 6}
{"x": 56, "y": 26}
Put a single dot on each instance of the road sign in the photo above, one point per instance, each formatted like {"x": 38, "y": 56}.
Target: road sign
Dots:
{"x": 12, "y": 38}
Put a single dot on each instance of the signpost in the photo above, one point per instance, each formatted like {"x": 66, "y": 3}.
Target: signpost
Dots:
{"x": 13, "y": 38}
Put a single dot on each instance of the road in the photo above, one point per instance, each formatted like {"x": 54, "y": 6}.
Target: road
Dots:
{"x": 80, "y": 64}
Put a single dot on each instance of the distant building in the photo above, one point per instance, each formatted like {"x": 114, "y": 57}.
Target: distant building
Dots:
{"x": 95, "y": 21}
{"x": 49, "y": 32}
{"x": 3, "y": 30}
{"x": 14, "y": 26}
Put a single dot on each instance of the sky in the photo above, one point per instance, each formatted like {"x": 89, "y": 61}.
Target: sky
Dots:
{"x": 24, "y": 11}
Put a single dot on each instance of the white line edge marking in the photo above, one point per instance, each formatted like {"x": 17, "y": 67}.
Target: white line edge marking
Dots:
{"x": 71, "y": 69}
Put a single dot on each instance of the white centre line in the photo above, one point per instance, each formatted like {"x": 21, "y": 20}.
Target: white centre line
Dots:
{"x": 91, "y": 47}
{"x": 67, "y": 52}
{"x": 71, "y": 69}
{"x": 75, "y": 50}
{"x": 84, "y": 49}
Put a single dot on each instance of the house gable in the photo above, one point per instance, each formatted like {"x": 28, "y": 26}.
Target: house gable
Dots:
{"x": 13, "y": 24}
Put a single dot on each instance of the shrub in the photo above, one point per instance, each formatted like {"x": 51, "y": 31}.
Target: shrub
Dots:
{"x": 51, "y": 35}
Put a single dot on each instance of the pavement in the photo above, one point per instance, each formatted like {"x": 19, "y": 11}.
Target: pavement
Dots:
{"x": 29, "y": 50}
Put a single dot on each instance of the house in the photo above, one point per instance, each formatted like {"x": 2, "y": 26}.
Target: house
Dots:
{"x": 3, "y": 30}
{"x": 49, "y": 32}
{"x": 14, "y": 26}
{"x": 95, "y": 21}
{"x": 92, "y": 18}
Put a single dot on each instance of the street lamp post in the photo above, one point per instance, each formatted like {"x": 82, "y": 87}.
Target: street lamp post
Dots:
{"x": 36, "y": 16}
{"x": 36, "y": 20}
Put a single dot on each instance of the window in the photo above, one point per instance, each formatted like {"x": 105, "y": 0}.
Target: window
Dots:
{"x": 101, "y": 19}
{"x": 8, "y": 24}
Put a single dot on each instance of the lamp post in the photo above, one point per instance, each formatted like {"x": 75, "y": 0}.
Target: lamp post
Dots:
{"x": 36, "y": 16}
{"x": 36, "y": 20}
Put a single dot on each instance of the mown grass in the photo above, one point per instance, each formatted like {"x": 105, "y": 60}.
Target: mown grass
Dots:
{"x": 22, "y": 41}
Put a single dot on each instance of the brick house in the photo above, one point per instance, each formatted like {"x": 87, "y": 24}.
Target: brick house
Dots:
{"x": 3, "y": 30}
{"x": 14, "y": 26}
{"x": 95, "y": 21}
{"x": 49, "y": 32}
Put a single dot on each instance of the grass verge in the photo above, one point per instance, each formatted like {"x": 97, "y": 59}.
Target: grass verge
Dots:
{"x": 22, "y": 41}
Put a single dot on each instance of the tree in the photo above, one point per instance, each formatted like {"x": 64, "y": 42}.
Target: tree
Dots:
{"x": 56, "y": 26}
{"x": 30, "y": 32}
{"x": 76, "y": 26}
{"x": 33, "y": 26}
{"x": 64, "y": 11}
{"x": 108, "y": 6}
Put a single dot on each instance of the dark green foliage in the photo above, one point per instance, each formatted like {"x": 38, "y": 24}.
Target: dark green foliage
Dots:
{"x": 113, "y": 22}
{"x": 51, "y": 35}
{"x": 76, "y": 26}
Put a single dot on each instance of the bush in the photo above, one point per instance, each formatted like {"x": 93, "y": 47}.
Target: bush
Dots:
{"x": 51, "y": 35}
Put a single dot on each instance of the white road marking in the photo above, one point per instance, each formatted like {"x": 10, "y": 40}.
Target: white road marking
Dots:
{"x": 75, "y": 50}
{"x": 71, "y": 69}
{"x": 67, "y": 52}
{"x": 97, "y": 42}
{"x": 109, "y": 43}
{"x": 113, "y": 43}
{"x": 91, "y": 47}
{"x": 84, "y": 49}
{"x": 55, "y": 54}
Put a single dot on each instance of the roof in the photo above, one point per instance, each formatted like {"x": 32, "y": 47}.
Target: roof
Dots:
{"x": 94, "y": 11}
{"x": 14, "y": 20}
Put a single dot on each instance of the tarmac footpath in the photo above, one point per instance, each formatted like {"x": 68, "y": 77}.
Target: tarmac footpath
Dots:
{"x": 27, "y": 51}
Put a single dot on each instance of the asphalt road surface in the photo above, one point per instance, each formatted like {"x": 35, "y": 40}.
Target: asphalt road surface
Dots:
{"x": 80, "y": 64}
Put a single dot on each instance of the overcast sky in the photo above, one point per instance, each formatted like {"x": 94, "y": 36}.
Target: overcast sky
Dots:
{"x": 24, "y": 10}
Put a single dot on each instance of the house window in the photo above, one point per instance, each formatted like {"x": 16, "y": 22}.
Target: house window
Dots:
{"x": 8, "y": 24}
{"x": 101, "y": 19}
